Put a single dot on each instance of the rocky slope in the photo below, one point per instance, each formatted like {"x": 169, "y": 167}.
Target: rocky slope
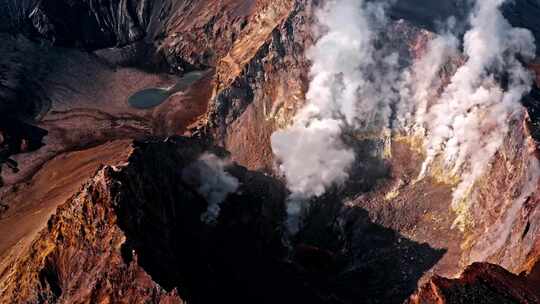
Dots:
{"x": 134, "y": 223}
{"x": 133, "y": 231}
{"x": 65, "y": 89}
{"x": 479, "y": 283}
{"x": 264, "y": 108}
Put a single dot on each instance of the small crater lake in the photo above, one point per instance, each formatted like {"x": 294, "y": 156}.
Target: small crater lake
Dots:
{"x": 152, "y": 97}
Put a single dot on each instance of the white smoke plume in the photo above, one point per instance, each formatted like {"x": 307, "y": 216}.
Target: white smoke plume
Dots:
{"x": 420, "y": 82}
{"x": 212, "y": 181}
{"x": 352, "y": 87}
{"x": 468, "y": 123}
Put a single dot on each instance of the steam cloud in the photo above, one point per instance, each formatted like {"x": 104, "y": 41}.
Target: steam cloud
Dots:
{"x": 468, "y": 123}
{"x": 212, "y": 181}
{"x": 355, "y": 86}
{"x": 420, "y": 83}
{"x": 352, "y": 88}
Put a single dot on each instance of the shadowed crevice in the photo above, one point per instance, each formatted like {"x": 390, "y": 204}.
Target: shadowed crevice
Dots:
{"x": 339, "y": 256}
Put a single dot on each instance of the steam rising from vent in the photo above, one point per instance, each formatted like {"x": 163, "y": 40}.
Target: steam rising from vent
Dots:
{"x": 469, "y": 122}
{"x": 357, "y": 87}
{"x": 212, "y": 181}
{"x": 352, "y": 88}
{"x": 420, "y": 83}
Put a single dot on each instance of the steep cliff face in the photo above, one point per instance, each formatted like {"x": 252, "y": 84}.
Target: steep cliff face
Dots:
{"x": 133, "y": 232}
{"x": 187, "y": 34}
{"x": 84, "y": 23}
{"x": 29, "y": 205}
{"x": 479, "y": 283}
{"x": 78, "y": 258}
{"x": 264, "y": 89}
{"x": 504, "y": 214}
{"x": 134, "y": 229}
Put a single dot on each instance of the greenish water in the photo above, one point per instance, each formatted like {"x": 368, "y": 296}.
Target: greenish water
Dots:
{"x": 152, "y": 97}
{"x": 188, "y": 80}
{"x": 148, "y": 98}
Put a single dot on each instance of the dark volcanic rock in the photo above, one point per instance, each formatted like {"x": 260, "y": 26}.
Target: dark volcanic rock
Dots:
{"x": 131, "y": 228}
{"x": 187, "y": 33}
{"x": 86, "y": 23}
{"x": 23, "y": 66}
{"x": 134, "y": 232}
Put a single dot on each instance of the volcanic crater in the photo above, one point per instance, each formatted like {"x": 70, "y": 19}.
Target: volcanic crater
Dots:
{"x": 103, "y": 106}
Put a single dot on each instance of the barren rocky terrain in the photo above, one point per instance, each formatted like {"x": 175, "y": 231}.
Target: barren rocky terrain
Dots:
{"x": 100, "y": 201}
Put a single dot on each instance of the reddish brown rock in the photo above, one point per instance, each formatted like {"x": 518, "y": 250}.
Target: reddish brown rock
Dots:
{"x": 255, "y": 52}
{"x": 73, "y": 256}
{"x": 132, "y": 233}
{"x": 479, "y": 283}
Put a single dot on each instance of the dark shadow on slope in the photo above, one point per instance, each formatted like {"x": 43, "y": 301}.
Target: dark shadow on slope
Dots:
{"x": 340, "y": 256}
{"x": 368, "y": 170}
{"x": 431, "y": 14}
{"x": 376, "y": 264}
{"x": 532, "y": 103}
{"x": 121, "y": 33}
{"x": 17, "y": 137}
{"x": 239, "y": 260}
{"x": 23, "y": 67}
{"x": 86, "y": 24}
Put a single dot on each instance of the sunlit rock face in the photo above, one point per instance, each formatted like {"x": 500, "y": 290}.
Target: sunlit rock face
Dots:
{"x": 263, "y": 89}
{"x": 479, "y": 283}
{"x": 503, "y": 211}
